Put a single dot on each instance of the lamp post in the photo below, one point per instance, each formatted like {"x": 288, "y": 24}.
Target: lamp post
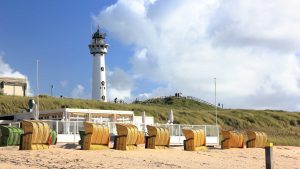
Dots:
{"x": 38, "y": 91}
{"x": 51, "y": 89}
{"x": 216, "y": 101}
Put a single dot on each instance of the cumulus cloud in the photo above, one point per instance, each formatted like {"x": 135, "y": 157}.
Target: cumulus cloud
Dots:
{"x": 78, "y": 92}
{"x": 250, "y": 46}
{"x": 120, "y": 84}
{"x": 7, "y": 71}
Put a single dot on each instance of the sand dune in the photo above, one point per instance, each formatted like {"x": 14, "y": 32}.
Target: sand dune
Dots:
{"x": 66, "y": 156}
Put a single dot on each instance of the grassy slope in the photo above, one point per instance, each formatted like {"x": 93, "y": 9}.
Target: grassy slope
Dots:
{"x": 282, "y": 127}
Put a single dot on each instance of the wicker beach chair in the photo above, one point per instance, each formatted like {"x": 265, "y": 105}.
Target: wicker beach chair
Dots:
{"x": 256, "y": 139}
{"x": 159, "y": 137}
{"x": 128, "y": 137}
{"x": 10, "y": 136}
{"x": 94, "y": 137}
{"x": 232, "y": 139}
{"x": 36, "y": 135}
{"x": 194, "y": 140}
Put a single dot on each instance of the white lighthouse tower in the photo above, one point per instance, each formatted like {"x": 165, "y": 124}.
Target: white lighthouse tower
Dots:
{"x": 98, "y": 48}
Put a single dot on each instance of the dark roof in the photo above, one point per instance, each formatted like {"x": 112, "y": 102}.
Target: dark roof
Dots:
{"x": 98, "y": 34}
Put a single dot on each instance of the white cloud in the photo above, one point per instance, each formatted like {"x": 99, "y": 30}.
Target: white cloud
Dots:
{"x": 7, "y": 71}
{"x": 64, "y": 83}
{"x": 120, "y": 84}
{"x": 78, "y": 92}
{"x": 251, "y": 47}
{"x": 119, "y": 94}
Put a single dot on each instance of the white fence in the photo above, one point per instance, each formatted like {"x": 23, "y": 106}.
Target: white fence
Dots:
{"x": 68, "y": 131}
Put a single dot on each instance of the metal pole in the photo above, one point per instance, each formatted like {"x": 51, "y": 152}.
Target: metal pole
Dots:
{"x": 37, "y": 88}
{"x": 216, "y": 101}
{"x": 56, "y": 128}
{"x": 51, "y": 89}
{"x": 74, "y": 133}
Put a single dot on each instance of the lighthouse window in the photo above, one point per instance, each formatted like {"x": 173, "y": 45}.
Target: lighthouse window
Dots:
{"x": 103, "y": 97}
{"x": 103, "y": 83}
{"x": 102, "y": 68}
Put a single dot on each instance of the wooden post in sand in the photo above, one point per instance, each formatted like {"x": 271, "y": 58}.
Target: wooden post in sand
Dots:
{"x": 269, "y": 156}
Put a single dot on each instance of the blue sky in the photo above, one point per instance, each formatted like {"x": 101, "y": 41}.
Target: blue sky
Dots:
{"x": 57, "y": 34}
{"x": 159, "y": 47}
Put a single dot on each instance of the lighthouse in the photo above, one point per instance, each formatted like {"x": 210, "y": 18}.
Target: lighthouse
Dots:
{"x": 98, "y": 49}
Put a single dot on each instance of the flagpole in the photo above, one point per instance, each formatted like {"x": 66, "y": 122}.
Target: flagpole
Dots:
{"x": 37, "y": 88}
{"x": 216, "y": 101}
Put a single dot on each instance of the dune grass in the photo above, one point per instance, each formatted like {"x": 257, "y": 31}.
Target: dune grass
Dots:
{"x": 283, "y": 128}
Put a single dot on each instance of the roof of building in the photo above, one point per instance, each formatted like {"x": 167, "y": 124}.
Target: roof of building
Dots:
{"x": 13, "y": 80}
{"x": 74, "y": 110}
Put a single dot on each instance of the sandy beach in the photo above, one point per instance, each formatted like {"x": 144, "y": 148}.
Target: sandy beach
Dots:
{"x": 69, "y": 156}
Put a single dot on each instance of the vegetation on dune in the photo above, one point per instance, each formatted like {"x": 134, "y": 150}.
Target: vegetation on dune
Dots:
{"x": 283, "y": 128}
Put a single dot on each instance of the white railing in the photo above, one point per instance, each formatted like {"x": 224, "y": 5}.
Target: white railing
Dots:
{"x": 211, "y": 133}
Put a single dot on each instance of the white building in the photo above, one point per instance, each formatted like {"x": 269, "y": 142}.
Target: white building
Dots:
{"x": 80, "y": 115}
{"x": 13, "y": 86}
{"x": 69, "y": 121}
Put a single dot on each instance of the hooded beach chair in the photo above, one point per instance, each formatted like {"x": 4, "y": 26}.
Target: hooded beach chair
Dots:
{"x": 94, "y": 136}
{"x": 232, "y": 139}
{"x": 10, "y": 136}
{"x": 256, "y": 139}
{"x": 194, "y": 139}
{"x": 36, "y": 135}
{"x": 158, "y": 137}
{"x": 128, "y": 137}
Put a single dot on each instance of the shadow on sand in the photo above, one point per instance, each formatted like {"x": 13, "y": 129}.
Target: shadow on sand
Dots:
{"x": 70, "y": 146}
